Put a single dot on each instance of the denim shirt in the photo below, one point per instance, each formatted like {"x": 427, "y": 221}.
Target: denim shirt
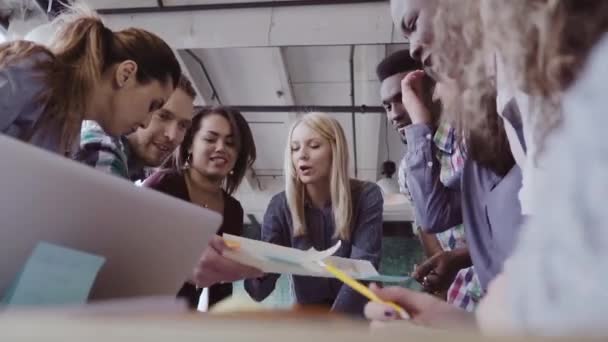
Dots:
{"x": 486, "y": 203}
{"x": 365, "y": 243}
{"x": 21, "y": 88}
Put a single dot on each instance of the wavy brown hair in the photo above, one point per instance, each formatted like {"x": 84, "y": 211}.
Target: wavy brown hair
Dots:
{"x": 456, "y": 56}
{"x": 544, "y": 44}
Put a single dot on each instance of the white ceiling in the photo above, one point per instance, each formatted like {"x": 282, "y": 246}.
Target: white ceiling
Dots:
{"x": 244, "y": 76}
{"x": 346, "y": 24}
{"x": 305, "y": 76}
{"x": 167, "y": 3}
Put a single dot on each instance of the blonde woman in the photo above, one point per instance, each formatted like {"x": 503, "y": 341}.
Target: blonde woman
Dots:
{"x": 320, "y": 206}
{"x": 89, "y": 72}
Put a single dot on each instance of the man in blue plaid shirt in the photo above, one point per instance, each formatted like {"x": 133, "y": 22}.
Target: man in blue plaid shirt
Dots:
{"x": 447, "y": 267}
{"x": 131, "y": 155}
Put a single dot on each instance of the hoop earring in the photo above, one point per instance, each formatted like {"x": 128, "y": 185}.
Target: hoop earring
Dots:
{"x": 188, "y": 163}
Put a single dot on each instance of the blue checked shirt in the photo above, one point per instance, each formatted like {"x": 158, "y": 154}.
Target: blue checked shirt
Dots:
{"x": 107, "y": 153}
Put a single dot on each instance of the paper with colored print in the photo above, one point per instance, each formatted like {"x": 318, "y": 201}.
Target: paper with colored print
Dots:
{"x": 271, "y": 258}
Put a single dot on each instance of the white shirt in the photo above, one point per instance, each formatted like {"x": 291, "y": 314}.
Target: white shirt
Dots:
{"x": 559, "y": 271}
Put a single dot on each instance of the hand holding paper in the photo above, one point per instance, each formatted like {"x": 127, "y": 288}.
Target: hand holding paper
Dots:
{"x": 271, "y": 258}
{"x": 213, "y": 267}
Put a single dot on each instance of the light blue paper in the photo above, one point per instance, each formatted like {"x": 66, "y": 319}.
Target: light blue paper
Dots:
{"x": 11, "y": 290}
{"x": 388, "y": 279}
{"x": 55, "y": 275}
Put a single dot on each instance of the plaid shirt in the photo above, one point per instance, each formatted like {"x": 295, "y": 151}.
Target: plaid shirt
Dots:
{"x": 107, "y": 153}
{"x": 465, "y": 292}
{"x": 451, "y": 158}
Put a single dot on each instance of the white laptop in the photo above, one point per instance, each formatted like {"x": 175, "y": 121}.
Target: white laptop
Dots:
{"x": 151, "y": 241}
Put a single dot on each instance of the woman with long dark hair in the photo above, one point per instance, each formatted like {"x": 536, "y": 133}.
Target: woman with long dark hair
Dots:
{"x": 206, "y": 170}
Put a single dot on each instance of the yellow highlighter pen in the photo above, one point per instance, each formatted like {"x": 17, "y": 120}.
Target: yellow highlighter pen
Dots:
{"x": 362, "y": 289}
{"x": 232, "y": 244}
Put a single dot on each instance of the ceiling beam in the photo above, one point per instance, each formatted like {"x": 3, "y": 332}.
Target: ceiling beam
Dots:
{"x": 213, "y": 96}
{"x": 187, "y": 65}
{"x": 361, "y": 23}
{"x": 368, "y": 127}
{"x": 312, "y": 108}
{"x": 229, "y": 6}
{"x": 286, "y": 95}
{"x": 197, "y": 72}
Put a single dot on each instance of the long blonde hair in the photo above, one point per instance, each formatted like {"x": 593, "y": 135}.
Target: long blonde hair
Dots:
{"x": 79, "y": 52}
{"x": 341, "y": 201}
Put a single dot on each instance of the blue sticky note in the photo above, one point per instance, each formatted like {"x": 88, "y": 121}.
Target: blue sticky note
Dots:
{"x": 9, "y": 293}
{"x": 54, "y": 275}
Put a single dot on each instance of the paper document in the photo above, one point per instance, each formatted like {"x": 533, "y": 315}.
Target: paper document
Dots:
{"x": 271, "y": 258}
{"x": 54, "y": 275}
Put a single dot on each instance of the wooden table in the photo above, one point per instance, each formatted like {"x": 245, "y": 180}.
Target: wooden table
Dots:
{"x": 301, "y": 325}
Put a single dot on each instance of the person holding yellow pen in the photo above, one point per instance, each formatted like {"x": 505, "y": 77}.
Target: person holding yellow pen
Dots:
{"x": 320, "y": 206}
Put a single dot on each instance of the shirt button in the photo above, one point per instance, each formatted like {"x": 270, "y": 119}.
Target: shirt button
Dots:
{"x": 430, "y": 164}
{"x": 428, "y": 136}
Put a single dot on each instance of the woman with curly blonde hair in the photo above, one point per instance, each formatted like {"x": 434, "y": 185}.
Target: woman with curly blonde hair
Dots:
{"x": 554, "y": 282}
{"x": 530, "y": 52}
